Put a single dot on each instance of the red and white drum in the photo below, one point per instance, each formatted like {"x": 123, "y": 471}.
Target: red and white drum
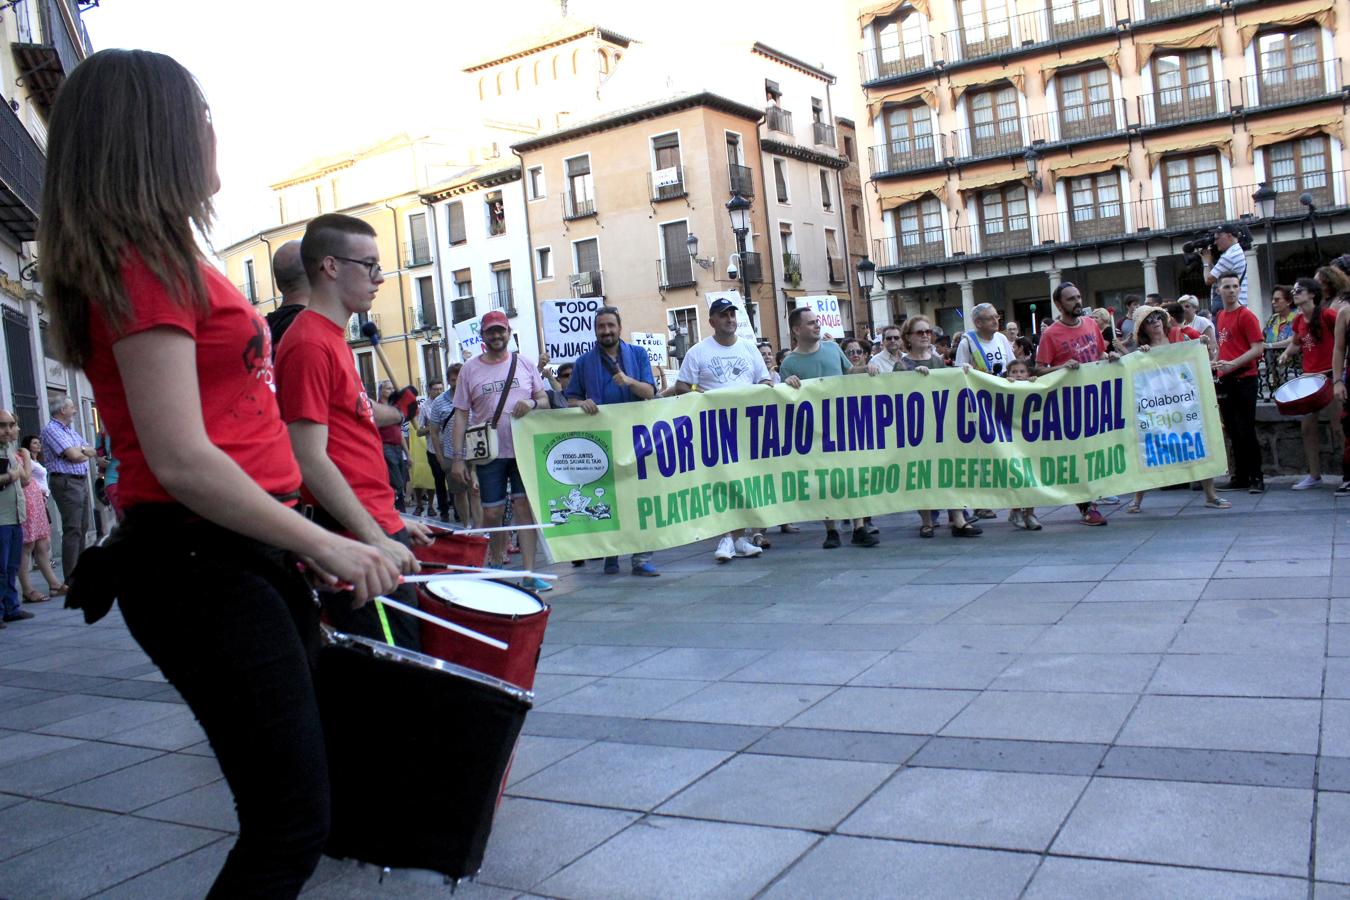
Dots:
{"x": 503, "y": 611}
{"x": 1303, "y": 395}
{"x": 453, "y": 549}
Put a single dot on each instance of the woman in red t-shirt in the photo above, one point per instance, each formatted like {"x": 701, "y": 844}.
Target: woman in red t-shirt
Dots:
{"x": 204, "y": 566}
{"x": 1314, "y": 341}
{"x": 1153, "y": 327}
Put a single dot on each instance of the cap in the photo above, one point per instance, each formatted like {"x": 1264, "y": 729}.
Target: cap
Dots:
{"x": 494, "y": 319}
{"x": 1228, "y": 228}
{"x": 721, "y": 304}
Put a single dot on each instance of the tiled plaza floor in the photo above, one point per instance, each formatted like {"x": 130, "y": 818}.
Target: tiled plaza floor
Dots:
{"x": 1159, "y": 708}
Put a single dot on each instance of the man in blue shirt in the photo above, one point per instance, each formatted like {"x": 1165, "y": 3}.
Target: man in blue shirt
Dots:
{"x": 613, "y": 372}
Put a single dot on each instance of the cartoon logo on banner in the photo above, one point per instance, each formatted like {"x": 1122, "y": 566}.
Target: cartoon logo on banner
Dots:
{"x": 577, "y": 478}
{"x": 1168, "y": 413}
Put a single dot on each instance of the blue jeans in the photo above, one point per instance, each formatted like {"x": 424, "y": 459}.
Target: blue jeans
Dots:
{"x": 11, "y": 552}
{"x": 638, "y": 559}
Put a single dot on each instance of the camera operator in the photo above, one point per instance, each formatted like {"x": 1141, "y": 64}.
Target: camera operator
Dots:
{"x": 1231, "y": 261}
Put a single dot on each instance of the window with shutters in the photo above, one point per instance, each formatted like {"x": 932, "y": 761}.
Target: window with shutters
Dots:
{"x": 1096, "y": 210}
{"x": 463, "y": 280}
{"x": 909, "y": 138}
{"x": 1075, "y": 17}
{"x": 918, "y": 230}
{"x": 1004, "y": 223}
{"x": 1296, "y": 167}
{"x": 543, "y": 263}
{"x": 898, "y": 45}
{"x": 826, "y": 200}
{"x": 1085, "y": 103}
{"x": 535, "y": 180}
{"x": 580, "y": 199}
{"x": 1289, "y": 65}
{"x": 833, "y": 258}
{"x": 792, "y": 263}
{"x": 431, "y": 364}
{"x": 667, "y": 173}
{"x": 495, "y": 210}
{"x": 984, "y": 27}
{"x": 424, "y": 314}
{"x": 586, "y": 281}
{"x": 675, "y": 267}
{"x": 502, "y": 296}
{"x": 780, "y": 180}
{"x": 454, "y": 223}
{"x": 1194, "y": 190}
{"x": 993, "y": 114}
{"x": 1185, "y": 87}
{"x": 418, "y": 251}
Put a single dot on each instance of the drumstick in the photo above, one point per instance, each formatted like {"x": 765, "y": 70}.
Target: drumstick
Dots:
{"x": 372, "y": 331}
{"x": 458, "y": 629}
{"x": 478, "y": 575}
{"x": 503, "y": 528}
{"x": 507, "y": 572}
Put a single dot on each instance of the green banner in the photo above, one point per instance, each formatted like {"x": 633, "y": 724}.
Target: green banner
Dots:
{"x": 643, "y": 476}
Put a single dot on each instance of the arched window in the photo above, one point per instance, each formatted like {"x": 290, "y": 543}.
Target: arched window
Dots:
{"x": 499, "y": 84}
{"x": 555, "y": 67}
{"x": 517, "y": 78}
{"x": 576, "y": 61}
{"x": 604, "y": 63}
{"x": 482, "y": 87}
{"x": 536, "y": 71}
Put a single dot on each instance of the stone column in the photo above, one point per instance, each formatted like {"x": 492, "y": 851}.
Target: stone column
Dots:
{"x": 1150, "y": 275}
{"x": 1055, "y": 276}
{"x": 1258, "y": 300}
{"x": 967, "y": 302}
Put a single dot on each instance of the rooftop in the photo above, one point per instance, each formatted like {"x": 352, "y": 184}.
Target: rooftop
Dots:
{"x": 640, "y": 113}
{"x": 550, "y": 36}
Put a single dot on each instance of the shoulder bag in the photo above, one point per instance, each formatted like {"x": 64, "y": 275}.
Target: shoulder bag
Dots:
{"x": 480, "y": 441}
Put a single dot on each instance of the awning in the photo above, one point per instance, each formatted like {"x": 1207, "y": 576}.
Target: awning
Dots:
{"x": 961, "y": 81}
{"x": 904, "y": 95}
{"x": 892, "y": 195}
{"x": 1087, "y": 164}
{"x": 1111, "y": 60}
{"x": 1323, "y": 12}
{"x": 991, "y": 179}
{"x": 1223, "y": 144}
{"x": 882, "y": 10}
{"x": 1204, "y": 36}
{"x": 1277, "y": 133}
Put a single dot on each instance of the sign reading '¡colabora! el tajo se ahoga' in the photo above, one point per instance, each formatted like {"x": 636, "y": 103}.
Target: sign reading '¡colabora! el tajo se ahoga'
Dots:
{"x": 648, "y": 475}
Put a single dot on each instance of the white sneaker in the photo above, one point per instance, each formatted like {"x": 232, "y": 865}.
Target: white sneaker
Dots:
{"x": 726, "y": 550}
{"x": 1015, "y": 518}
{"x": 1031, "y": 523}
{"x": 1308, "y": 483}
{"x": 743, "y": 547}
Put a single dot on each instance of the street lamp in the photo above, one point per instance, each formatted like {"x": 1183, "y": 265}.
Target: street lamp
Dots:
{"x": 692, "y": 243}
{"x": 738, "y": 208}
{"x": 867, "y": 277}
{"x": 1031, "y": 158}
{"x": 1264, "y": 198}
{"x": 1306, "y": 199}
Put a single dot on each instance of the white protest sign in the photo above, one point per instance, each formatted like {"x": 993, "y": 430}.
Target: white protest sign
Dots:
{"x": 654, "y": 344}
{"x": 569, "y": 327}
{"x": 743, "y": 329}
{"x": 470, "y": 343}
{"x": 826, "y": 308}
{"x": 666, "y": 177}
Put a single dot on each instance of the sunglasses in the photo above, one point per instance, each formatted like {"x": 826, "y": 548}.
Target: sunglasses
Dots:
{"x": 918, "y": 331}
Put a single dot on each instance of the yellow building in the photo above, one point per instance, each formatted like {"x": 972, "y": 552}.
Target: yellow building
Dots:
{"x": 364, "y": 185}
{"x": 1015, "y": 143}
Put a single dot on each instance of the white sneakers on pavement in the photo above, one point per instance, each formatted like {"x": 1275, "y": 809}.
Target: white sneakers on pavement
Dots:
{"x": 744, "y": 548}
{"x": 1307, "y": 483}
{"x": 726, "y": 550}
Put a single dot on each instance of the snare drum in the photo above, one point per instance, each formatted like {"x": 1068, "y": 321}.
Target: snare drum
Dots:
{"x": 1303, "y": 395}
{"x": 503, "y": 611}
{"x": 453, "y": 549}
{"x": 417, "y": 752}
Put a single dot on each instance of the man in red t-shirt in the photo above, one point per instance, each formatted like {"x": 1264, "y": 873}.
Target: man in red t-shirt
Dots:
{"x": 333, "y": 424}
{"x": 1241, "y": 343}
{"x": 1073, "y": 340}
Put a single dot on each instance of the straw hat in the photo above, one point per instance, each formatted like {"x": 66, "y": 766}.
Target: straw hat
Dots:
{"x": 1143, "y": 313}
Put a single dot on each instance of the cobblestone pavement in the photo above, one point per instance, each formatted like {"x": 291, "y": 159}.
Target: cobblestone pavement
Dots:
{"x": 1159, "y": 708}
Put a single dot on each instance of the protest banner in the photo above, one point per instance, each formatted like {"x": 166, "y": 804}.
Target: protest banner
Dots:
{"x": 569, "y": 327}
{"x": 469, "y": 340}
{"x": 643, "y": 476}
{"x": 654, "y": 344}
{"x": 826, "y": 308}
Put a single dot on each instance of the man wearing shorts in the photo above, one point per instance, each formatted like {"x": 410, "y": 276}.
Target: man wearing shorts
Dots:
{"x": 477, "y": 395}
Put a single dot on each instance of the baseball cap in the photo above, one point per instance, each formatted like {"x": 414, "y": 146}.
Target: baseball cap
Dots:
{"x": 494, "y": 319}
{"x": 1228, "y": 228}
{"x": 721, "y": 304}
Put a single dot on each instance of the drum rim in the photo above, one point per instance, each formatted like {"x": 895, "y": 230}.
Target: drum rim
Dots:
{"x": 403, "y": 655}
{"x": 1314, "y": 376}
{"x": 431, "y": 589}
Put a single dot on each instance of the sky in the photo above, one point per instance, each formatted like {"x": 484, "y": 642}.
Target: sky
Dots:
{"x": 293, "y": 80}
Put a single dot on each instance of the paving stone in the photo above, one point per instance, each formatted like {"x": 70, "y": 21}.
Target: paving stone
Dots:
{"x": 978, "y": 638}
{"x": 993, "y": 612}
{"x": 1003, "y": 810}
{"x": 1336, "y": 728}
{"x": 143, "y": 784}
{"x": 1149, "y": 590}
{"x": 1224, "y": 723}
{"x": 1333, "y": 774}
{"x": 1220, "y": 826}
{"x": 549, "y": 687}
{"x": 1338, "y": 640}
{"x": 188, "y": 876}
{"x": 18, "y": 746}
{"x": 884, "y": 869}
{"x": 746, "y": 703}
{"x": 1060, "y": 877}
{"x": 1159, "y": 612}
{"x": 906, "y": 668}
{"x": 1337, "y": 683}
{"x": 849, "y": 745}
{"x": 1243, "y": 612}
{"x": 83, "y": 761}
{"x": 595, "y": 660}
{"x": 1052, "y": 573}
{"x": 1284, "y": 567}
{"x": 1267, "y": 588}
{"x": 66, "y": 706}
{"x": 34, "y": 823}
{"x": 1295, "y": 639}
{"x": 1239, "y": 675}
{"x": 893, "y": 710}
{"x": 626, "y": 776}
{"x": 1127, "y": 571}
{"x": 120, "y": 716}
{"x": 1045, "y": 757}
{"x": 639, "y": 697}
{"x": 1325, "y": 891}
{"x": 809, "y": 666}
{"x": 1043, "y": 716}
{"x": 924, "y": 593}
{"x": 1333, "y": 837}
{"x": 1120, "y": 673}
{"x": 532, "y": 840}
{"x": 1214, "y": 766}
{"x": 698, "y": 664}
{"x": 209, "y": 806}
{"x": 680, "y": 858}
{"x": 697, "y": 735}
{"x": 1106, "y": 637}
{"x": 1038, "y": 592}
{"x": 534, "y": 753}
{"x": 175, "y": 731}
{"x": 789, "y": 792}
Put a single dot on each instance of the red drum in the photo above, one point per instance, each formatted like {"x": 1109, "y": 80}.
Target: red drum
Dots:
{"x": 503, "y": 611}
{"x": 453, "y": 550}
{"x": 1303, "y": 395}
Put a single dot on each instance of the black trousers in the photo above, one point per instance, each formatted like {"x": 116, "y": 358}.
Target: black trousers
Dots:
{"x": 438, "y": 476}
{"x": 1237, "y": 408}
{"x": 233, "y": 627}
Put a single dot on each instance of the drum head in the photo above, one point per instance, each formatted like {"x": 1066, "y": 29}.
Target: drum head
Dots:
{"x": 1298, "y": 388}
{"x": 485, "y": 596}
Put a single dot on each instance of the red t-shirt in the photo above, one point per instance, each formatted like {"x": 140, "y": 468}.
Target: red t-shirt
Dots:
{"x": 1182, "y": 333}
{"x": 234, "y": 379}
{"x": 1316, "y": 353}
{"x": 1237, "y": 331}
{"x": 316, "y": 382}
{"x": 1060, "y": 343}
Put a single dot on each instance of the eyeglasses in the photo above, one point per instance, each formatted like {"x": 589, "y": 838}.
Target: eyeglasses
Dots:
{"x": 372, "y": 267}
{"x": 1153, "y": 320}
{"x": 921, "y": 331}
{"x": 891, "y": 337}
{"x": 1301, "y": 290}
{"x": 854, "y": 351}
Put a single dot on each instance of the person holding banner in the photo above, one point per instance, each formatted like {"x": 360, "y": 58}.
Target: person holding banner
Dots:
{"x": 892, "y": 349}
{"x": 985, "y": 348}
{"x": 722, "y": 360}
{"x": 600, "y": 377}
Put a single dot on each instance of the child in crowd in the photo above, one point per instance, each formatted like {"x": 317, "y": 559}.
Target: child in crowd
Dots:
{"x": 1025, "y": 517}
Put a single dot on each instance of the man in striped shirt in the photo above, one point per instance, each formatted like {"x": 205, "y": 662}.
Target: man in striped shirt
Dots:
{"x": 66, "y": 455}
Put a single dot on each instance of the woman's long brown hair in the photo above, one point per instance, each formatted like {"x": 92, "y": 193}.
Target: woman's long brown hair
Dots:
{"x": 130, "y": 164}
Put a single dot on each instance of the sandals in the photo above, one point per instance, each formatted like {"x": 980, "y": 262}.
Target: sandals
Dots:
{"x": 1218, "y": 503}
{"x": 60, "y": 590}
{"x": 35, "y": 596}
{"x": 966, "y": 530}
{"x": 1132, "y": 508}
{"x": 760, "y": 539}
{"x": 925, "y": 531}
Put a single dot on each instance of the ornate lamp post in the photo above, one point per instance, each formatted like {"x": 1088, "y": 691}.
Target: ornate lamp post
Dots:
{"x": 738, "y": 208}
{"x": 1264, "y": 197}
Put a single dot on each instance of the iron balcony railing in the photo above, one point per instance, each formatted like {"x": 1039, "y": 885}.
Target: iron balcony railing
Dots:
{"x": 906, "y": 154}
{"x": 462, "y": 308}
{"x": 838, "y": 269}
{"x": 417, "y": 253}
{"x": 250, "y": 291}
{"x": 752, "y": 265}
{"x": 1306, "y": 81}
{"x": 357, "y": 322}
{"x": 891, "y": 60}
{"x": 674, "y": 273}
{"x": 575, "y": 207}
{"x": 423, "y": 316}
{"x": 40, "y": 23}
{"x": 503, "y": 300}
{"x": 21, "y": 165}
{"x": 667, "y": 183}
{"x": 1152, "y": 10}
{"x": 587, "y": 284}
{"x": 1188, "y": 103}
{"x": 1005, "y": 137}
{"x": 823, "y": 134}
{"x": 742, "y": 180}
{"x": 778, "y": 119}
{"x": 1029, "y": 29}
{"x": 792, "y": 268}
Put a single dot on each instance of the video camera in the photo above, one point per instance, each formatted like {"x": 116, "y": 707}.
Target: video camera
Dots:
{"x": 1204, "y": 240}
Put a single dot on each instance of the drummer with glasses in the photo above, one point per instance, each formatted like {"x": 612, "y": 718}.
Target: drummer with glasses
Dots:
{"x": 1314, "y": 340}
